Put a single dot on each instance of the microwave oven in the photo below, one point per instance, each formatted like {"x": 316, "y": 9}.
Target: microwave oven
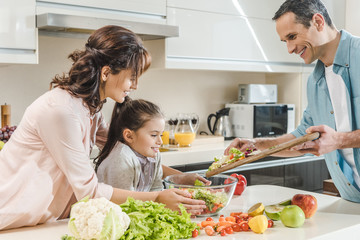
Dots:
{"x": 261, "y": 120}
{"x": 257, "y": 93}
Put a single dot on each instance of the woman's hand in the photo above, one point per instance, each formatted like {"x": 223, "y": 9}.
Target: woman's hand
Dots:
{"x": 173, "y": 197}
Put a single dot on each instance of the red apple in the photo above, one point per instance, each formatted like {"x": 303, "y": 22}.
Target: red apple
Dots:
{"x": 306, "y": 202}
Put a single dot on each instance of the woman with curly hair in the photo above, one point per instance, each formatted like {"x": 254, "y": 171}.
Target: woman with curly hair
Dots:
{"x": 45, "y": 166}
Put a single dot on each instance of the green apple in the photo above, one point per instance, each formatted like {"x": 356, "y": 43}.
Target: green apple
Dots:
{"x": 292, "y": 216}
{"x": 1, "y": 144}
{"x": 274, "y": 211}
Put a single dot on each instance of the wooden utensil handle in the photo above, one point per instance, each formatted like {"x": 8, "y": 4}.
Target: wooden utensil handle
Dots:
{"x": 265, "y": 153}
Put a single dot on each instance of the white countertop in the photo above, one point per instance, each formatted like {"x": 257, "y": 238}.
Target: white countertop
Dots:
{"x": 335, "y": 219}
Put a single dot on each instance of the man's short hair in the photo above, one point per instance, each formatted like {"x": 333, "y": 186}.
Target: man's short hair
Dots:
{"x": 304, "y": 10}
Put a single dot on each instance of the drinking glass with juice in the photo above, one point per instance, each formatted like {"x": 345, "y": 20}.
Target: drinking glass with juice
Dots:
{"x": 184, "y": 139}
{"x": 165, "y": 138}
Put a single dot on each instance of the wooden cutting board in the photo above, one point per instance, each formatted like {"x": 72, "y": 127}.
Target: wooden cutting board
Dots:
{"x": 265, "y": 153}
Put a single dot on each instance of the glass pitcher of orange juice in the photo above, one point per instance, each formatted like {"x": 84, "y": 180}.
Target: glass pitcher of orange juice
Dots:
{"x": 165, "y": 135}
{"x": 184, "y": 131}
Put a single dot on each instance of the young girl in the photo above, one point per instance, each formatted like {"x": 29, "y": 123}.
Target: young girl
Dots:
{"x": 130, "y": 158}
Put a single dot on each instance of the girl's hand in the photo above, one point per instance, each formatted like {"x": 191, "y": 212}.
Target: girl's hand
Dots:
{"x": 189, "y": 179}
{"x": 173, "y": 197}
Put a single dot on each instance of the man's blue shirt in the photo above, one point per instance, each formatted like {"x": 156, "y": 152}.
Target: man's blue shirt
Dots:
{"x": 320, "y": 111}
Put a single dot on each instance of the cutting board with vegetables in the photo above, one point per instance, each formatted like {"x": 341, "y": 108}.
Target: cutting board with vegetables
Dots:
{"x": 265, "y": 153}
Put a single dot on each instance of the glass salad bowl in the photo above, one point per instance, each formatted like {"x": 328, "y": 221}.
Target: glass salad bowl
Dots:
{"x": 216, "y": 196}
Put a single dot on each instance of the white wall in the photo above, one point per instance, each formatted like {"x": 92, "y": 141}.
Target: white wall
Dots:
{"x": 352, "y": 17}
{"x": 203, "y": 92}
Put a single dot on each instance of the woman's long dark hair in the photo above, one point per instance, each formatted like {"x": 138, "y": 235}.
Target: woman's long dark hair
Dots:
{"x": 112, "y": 46}
{"x": 131, "y": 114}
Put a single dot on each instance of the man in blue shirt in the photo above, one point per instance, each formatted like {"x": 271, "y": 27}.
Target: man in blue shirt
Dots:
{"x": 333, "y": 91}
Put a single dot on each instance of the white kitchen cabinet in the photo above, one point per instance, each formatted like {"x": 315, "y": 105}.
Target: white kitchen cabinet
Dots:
{"x": 155, "y": 7}
{"x": 264, "y": 9}
{"x": 149, "y": 11}
{"x": 209, "y": 40}
{"x": 237, "y": 35}
{"x": 18, "y": 34}
{"x": 248, "y": 8}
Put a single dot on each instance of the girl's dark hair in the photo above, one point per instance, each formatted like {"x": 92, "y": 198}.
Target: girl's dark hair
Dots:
{"x": 131, "y": 114}
{"x": 304, "y": 10}
{"x": 112, "y": 46}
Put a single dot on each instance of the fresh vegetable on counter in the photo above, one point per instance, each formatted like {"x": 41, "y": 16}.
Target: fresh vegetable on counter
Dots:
{"x": 236, "y": 222}
{"x": 151, "y": 220}
{"x": 241, "y": 184}
{"x": 96, "y": 219}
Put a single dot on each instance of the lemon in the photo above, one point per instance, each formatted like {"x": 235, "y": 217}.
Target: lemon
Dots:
{"x": 257, "y": 209}
{"x": 1, "y": 144}
{"x": 258, "y": 224}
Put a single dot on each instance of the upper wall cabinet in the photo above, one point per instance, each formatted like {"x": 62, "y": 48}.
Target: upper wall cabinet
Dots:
{"x": 153, "y": 11}
{"x": 234, "y": 35}
{"x": 154, "y": 7}
{"x": 18, "y": 34}
{"x": 144, "y": 17}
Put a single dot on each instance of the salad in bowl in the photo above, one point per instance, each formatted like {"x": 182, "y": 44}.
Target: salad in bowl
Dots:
{"x": 216, "y": 196}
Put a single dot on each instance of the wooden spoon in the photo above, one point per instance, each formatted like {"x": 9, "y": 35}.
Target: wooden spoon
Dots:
{"x": 265, "y": 153}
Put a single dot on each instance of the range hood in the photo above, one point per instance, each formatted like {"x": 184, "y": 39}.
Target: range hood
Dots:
{"x": 61, "y": 23}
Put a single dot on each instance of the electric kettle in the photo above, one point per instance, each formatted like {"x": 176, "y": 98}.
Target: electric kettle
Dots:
{"x": 221, "y": 126}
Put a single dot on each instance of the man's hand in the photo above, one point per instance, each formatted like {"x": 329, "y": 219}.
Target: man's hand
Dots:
{"x": 329, "y": 141}
{"x": 240, "y": 143}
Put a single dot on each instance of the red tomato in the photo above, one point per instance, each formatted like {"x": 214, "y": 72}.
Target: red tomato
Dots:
{"x": 236, "y": 227}
{"x": 222, "y": 232}
{"x": 270, "y": 223}
{"x": 244, "y": 226}
{"x": 209, "y": 219}
{"x": 234, "y": 175}
{"x": 231, "y": 156}
{"x": 195, "y": 233}
{"x": 227, "y": 181}
{"x": 241, "y": 177}
{"x": 240, "y": 187}
{"x": 229, "y": 230}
